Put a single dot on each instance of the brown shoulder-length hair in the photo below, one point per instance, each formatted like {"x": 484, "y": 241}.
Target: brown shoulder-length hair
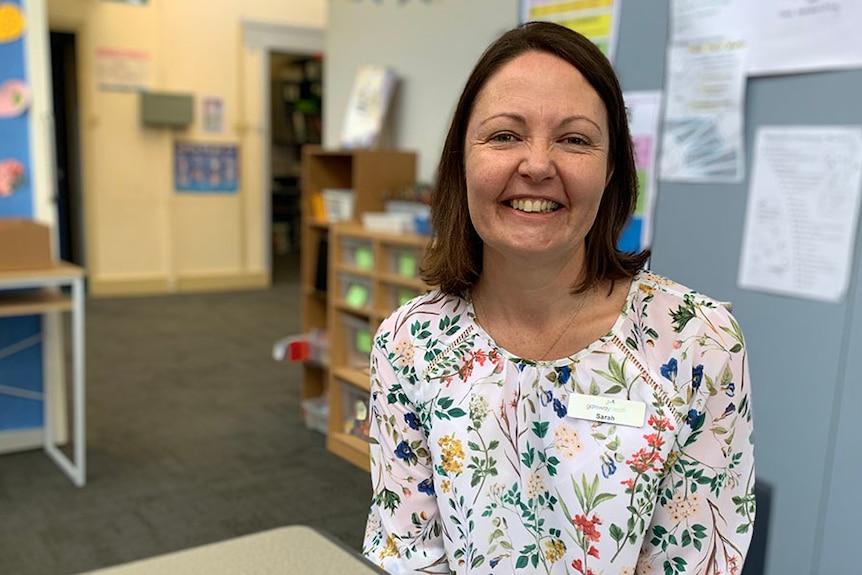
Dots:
{"x": 454, "y": 260}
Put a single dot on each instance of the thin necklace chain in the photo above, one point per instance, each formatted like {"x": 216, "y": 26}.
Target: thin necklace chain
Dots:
{"x": 575, "y": 313}
{"x": 568, "y": 325}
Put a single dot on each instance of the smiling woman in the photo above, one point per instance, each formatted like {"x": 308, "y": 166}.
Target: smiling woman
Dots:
{"x": 553, "y": 406}
{"x": 536, "y": 143}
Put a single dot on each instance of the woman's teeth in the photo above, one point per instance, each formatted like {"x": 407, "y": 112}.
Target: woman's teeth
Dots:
{"x": 534, "y": 205}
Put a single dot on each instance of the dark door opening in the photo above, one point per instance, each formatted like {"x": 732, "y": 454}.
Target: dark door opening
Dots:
{"x": 70, "y": 216}
{"x": 296, "y": 95}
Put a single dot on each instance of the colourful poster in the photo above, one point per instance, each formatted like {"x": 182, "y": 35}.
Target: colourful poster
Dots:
{"x": 206, "y": 168}
{"x": 644, "y": 113}
{"x": 598, "y": 20}
{"x": 16, "y": 197}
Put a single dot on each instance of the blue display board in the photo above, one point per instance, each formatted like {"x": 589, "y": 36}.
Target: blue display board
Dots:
{"x": 14, "y": 129}
{"x": 21, "y": 373}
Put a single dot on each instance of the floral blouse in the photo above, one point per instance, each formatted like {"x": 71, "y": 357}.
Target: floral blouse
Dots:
{"x": 477, "y": 465}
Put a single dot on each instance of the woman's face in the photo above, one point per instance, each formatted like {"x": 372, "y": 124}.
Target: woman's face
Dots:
{"x": 536, "y": 159}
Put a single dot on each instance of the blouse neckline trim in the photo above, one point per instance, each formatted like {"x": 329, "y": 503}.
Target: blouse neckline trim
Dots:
{"x": 622, "y": 317}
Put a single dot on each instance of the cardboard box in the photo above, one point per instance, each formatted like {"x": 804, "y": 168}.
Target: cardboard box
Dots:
{"x": 24, "y": 245}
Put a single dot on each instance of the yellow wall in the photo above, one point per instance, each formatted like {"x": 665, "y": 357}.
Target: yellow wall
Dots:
{"x": 141, "y": 236}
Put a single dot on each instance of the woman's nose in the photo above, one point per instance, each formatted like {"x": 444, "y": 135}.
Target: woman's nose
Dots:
{"x": 538, "y": 163}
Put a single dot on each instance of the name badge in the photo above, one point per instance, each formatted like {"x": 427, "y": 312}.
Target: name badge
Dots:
{"x": 607, "y": 409}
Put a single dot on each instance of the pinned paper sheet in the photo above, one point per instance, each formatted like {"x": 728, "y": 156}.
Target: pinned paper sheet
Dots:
{"x": 705, "y": 93}
{"x": 598, "y": 20}
{"x": 794, "y": 37}
{"x": 644, "y": 111}
{"x": 802, "y": 214}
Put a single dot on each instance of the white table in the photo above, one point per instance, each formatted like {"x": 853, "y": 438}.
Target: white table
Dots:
{"x": 47, "y": 299}
{"x": 284, "y": 551}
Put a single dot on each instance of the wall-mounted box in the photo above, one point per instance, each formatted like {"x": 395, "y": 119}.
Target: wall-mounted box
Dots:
{"x": 163, "y": 110}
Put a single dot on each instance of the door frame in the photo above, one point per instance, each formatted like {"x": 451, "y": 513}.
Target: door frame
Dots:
{"x": 268, "y": 38}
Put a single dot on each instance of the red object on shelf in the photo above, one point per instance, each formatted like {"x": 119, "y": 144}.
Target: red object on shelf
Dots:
{"x": 311, "y": 347}
{"x": 298, "y": 350}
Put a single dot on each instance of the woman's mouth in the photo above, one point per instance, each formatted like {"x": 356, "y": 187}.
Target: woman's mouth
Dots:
{"x": 534, "y": 206}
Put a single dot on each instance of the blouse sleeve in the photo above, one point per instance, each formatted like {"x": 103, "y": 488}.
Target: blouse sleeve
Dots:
{"x": 403, "y": 534}
{"x": 704, "y": 514}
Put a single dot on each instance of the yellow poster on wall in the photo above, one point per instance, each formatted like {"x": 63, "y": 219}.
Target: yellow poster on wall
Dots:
{"x": 596, "y": 19}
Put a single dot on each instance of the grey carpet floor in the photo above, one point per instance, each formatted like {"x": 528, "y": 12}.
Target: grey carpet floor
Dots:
{"x": 194, "y": 436}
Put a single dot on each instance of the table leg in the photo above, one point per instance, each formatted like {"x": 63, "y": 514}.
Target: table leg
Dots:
{"x": 77, "y": 470}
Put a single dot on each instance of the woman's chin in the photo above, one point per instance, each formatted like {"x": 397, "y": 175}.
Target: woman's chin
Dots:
{"x": 534, "y": 250}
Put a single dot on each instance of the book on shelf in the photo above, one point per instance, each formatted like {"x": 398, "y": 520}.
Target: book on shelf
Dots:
{"x": 320, "y": 272}
{"x": 367, "y": 107}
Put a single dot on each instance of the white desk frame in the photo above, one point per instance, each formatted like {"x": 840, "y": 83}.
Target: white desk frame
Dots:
{"x": 49, "y": 301}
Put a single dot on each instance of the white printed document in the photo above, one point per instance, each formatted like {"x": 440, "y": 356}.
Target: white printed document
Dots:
{"x": 803, "y": 206}
{"x": 793, "y": 36}
{"x": 705, "y": 93}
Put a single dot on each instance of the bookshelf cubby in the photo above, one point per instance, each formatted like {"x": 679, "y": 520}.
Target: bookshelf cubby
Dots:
{"x": 371, "y": 174}
{"x": 370, "y": 275}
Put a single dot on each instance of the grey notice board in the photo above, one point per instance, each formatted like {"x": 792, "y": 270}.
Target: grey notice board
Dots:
{"x": 807, "y": 399}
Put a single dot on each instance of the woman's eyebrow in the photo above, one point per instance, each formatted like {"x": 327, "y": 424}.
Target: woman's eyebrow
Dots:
{"x": 521, "y": 120}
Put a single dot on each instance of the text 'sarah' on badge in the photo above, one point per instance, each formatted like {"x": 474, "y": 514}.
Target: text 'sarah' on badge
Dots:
{"x": 607, "y": 409}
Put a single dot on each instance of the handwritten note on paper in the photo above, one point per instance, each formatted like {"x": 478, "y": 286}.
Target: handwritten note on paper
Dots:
{"x": 803, "y": 207}
{"x": 794, "y": 36}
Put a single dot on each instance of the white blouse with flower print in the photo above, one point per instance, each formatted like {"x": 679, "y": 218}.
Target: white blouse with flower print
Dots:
{"x": 478, "y": 467}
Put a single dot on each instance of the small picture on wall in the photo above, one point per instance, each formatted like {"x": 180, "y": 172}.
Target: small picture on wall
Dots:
{"x": 212, "y": 109}
{"x": 206, "y": 168}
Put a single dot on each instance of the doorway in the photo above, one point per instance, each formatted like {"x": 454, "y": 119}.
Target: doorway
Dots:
{"x": 70, "y": 214}
{"x": 296, "y": 99}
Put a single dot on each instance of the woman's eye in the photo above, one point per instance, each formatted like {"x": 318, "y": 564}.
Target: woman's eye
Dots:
{"x": 575, "y": 141}
{"x": 503, "y": 138}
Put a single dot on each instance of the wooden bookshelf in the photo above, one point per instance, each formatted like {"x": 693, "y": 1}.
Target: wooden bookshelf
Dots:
{"x": 372, "y": 175}
{"x": 363, "y": 292}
